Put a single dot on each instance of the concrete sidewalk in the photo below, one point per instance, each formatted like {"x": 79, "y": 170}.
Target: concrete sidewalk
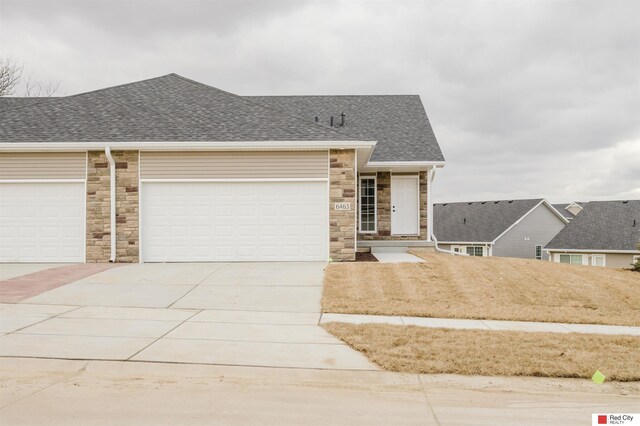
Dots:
{"x": 397, "y": 257}
{"x": 467, "y": 324}
{"x": 63, "y": 392}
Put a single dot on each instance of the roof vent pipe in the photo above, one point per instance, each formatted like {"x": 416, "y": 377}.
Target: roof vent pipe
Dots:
{"x": 344, "y": 121}
{"x": 112, "y": 193}
{"x": 317, "y": 119}
{"x": 332, "y": 121}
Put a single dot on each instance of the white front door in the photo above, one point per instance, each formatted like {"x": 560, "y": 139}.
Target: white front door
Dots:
{"x": 42, "y": 222}
{"x": 405, "y": 205}
{"x": 234, "y": 221}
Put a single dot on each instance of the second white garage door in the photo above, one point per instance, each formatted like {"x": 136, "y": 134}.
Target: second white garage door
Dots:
{"x": 234, "y": 221}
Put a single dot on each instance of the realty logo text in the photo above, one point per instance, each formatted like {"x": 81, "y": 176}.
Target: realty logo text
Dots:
{"x": 615, "y": 419}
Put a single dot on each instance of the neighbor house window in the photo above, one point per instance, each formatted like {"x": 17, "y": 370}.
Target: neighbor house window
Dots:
{"x": 539, "y": 252}
{"x": 597, "y": 260}
{"x": 368, "y": 204}
{"x": 475, "y": 251}
{"x": 574, "y": 259}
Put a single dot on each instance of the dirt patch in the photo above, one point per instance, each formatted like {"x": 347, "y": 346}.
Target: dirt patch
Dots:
{"x": 365, "y": 257}
{"x": 448, "y": 286}
{"x": 410, "y": 349}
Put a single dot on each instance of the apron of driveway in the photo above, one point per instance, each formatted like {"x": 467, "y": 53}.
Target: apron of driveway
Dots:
{"x": 251, "y": 314}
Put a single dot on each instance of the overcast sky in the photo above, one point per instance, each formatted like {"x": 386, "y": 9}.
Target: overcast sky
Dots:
{"x": 527, "y": 99}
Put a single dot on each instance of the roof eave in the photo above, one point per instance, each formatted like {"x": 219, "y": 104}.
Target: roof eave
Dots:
{"x": 594, "y": 250}
{"x": 186, "y": 145}
{"x": 407, "y": 166}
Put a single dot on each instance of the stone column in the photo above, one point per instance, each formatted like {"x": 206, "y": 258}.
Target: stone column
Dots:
{"x": 98, "y": 208}
{"x": 127, "y": 206}
{"x": 342, "y": 189}
{"x": 99, "y": 205}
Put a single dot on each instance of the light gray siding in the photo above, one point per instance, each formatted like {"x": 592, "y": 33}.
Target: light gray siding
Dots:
{"x": 230, "y": 164}
{"x": 537, "y": 228}
{"x": 611, "y": 260}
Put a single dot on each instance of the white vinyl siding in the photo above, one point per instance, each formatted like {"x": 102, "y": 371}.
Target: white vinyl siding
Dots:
{"x": 234, "y": 221}
{"x": 234, "y": 165}
{"x": 42, "y": 222}
{"x": 43, "y": 165}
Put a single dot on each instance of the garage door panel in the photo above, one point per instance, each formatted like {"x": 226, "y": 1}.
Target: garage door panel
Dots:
{"x": 42, "y": 222}
{"x": 228, "y": 221}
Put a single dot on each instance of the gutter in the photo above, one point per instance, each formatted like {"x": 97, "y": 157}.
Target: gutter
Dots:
{"x": 112, "y": 193}
{"x": 596, "y": 251}
{"x": 185, "y": 146}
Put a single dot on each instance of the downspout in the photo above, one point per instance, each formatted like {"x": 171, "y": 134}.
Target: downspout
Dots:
{"x": 430, "y": 175}
{"x": 112, "y": 193}
{"x": 439, "y": 250}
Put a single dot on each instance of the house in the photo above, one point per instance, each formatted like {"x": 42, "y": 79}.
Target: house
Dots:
{"x": 605, "y": 233}
{"x": 569, "y": 210}
{"x": 169, "y": 169}
{"x": 508, "y": 228}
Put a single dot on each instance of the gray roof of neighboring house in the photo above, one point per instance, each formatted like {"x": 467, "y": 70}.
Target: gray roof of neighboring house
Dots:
{"x": 173, "y": 108}
{"x": 168, "y": 108}
{"x": 602, "y": 225}
{"x": 477, "y": 221}
{"x": 562, "y": 209}
{"x": 398, "y": 123}
{"x": 7, "y": 103}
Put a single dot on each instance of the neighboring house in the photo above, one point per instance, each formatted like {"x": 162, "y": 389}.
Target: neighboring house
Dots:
{"x": 605, "y": 233}
{"x": 169, "y": 169}
{"x": 507, "y": 228}
{"x": 569, "y": 210}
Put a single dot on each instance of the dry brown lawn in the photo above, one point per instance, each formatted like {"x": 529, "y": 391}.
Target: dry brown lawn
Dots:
{"x": 423, "y": 350}
{"x": 448, "y": 286}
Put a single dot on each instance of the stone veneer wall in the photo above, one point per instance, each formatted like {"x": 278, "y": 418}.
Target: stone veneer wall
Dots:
{"x": 342, "y": 189}
{"x": 384, "y": 210}
{"x": 127, "y": 206}
{"x": 99, "y": 204}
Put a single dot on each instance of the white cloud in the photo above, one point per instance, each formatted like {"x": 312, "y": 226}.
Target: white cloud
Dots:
{"x": 527, "y": 98}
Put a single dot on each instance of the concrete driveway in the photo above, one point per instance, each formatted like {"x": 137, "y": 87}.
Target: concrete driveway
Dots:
{"x": 250, "y": 314}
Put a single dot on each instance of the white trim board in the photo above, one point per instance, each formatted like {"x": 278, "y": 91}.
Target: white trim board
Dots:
{"x": 594, "y": 251}
{"x": 236, "y": 180}
{"x": 43, "y": 180}
{"x": 186, "y": 145}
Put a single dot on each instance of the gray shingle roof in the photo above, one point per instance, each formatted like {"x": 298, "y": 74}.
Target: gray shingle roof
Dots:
{"x": 168, "y": 108}
{"x": 398, "y": 123}
{"x": 173, "y": 108}
{"x": 602, "y": 225}
{"x": 477, "y": 221}
{"x": 7, "y": 103}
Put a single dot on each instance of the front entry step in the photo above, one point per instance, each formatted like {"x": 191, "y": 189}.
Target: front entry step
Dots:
{"x": 392, "y": 249}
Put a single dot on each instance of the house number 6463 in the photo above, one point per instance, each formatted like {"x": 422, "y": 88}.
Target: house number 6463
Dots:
{"x": 342, "y": 206}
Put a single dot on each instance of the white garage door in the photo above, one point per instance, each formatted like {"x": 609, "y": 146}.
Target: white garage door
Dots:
{"x": 42, "y": 222}
{"x": 234, "y": 221}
